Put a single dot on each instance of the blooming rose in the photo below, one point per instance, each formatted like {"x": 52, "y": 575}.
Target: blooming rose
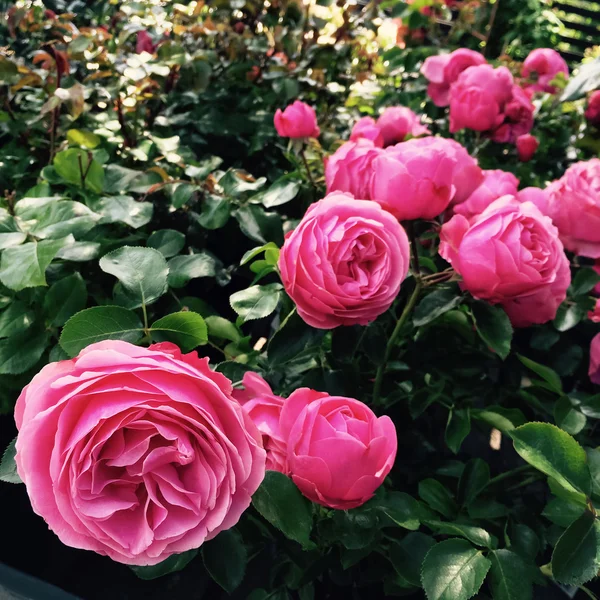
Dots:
{"x": 298, "y": 120}
{"x": 594, "y": 315}
{"x": 594, "y": 371}
{"x": 592, "y": 112}
{"x": 348, "y": 169}
{"x": 526, "y": 146}
{"x": 339, "y": 452}
{"x": 344, "y": 263}
{"x": 535, "y": 195}
{"x": 264, "y": 408}
{"x": 467, "y": 174}
{"x": 367, "y": 128}
{"x": 413, "y": 182}
{"x": 478, "y": 98}
{"x": 496, "y": 183}
{"x": 518, "y": 117}
{"x": 544, "y": 64}
{"x": 510, "y": 255}
{"x": 144, "y": 43}
{"x": 574, "y": 206}
{"x": 398, "y": 122}
{"x": 443, "y": 70}
{"x": 136, "y": 453}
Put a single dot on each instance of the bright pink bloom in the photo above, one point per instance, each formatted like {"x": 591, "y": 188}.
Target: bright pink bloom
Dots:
{"x": 298, "y": 120}
{"x": 136, "y": 453}
{"x": 264, "y": 408}
{"x": 594, "y": 371}
{"x": 574, "y": 206}
{"x": 510, "y": 255}
{"x": 349, "y": 169}
{"x": 496, "y": 183}
{"x": 339, "y": 452}
{"x": 526, "y": 146}
{"x": 144, "y": 43}
{"x": 413, "y": 182}
{"x": 396, "y": 123}
{"x": 367, "y": 128}
{"x": 535, "y": 195}
{"x": 478, "y": 98}
{"x": 592, "y": 112}
{"x": 542, "y": 66}
{"x": 518, "y": 117}
{"x": 467, "y": 175}
{"x": 443, "y": 70}
{"x": 596, "y": 268}
{"x": 344, "y": 263}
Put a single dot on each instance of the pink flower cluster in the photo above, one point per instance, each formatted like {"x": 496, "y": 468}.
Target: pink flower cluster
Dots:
{"x": 394, "y": 125}
{"x": 334, "y": 448}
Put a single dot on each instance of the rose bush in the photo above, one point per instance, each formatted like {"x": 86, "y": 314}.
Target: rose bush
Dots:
{"x": 376, "y": 223}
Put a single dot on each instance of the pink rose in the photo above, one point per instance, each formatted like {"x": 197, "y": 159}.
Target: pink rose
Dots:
{"x": 398, "y": 122}
{"x": 443, "y": 70}
{"x": 298, "y": 120}
{"x": 348, "y": 169}
{"x": 594, "y": 315}
{"x": 413, "y": 182}
{"x": 574, "y": 206}
{"x": 136, "y": 453}
{"x": 592, "y": 112}
{"x": 367, "y": 128}
{"x": 344, "y": 263}
{"x": 596, "y": 268}
{"x": 535, "y": 195}
{"x": 594, "y": 371}
{"x": 339, "y": 452}
{"x": 542, "y": 66}
{"x": 264, "y": 408}
{"x": 496, "y": 183}
{"x": 467, "y": 174}
{"x": 518, "y": 117}
{"x": 144, "y": 43}
{"x": 478, "y": 97}
{"x": 510, "y": 255}
{"x": 526, "y": 146}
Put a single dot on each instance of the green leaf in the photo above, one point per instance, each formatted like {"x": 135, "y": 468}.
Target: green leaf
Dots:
{"x": 141, "y": 271}
{"x": 576, "y": 556}
{"x": 260, "y": 226}
{"x": 65, "y": 298}
{"x": 408, "y": 555}
{"x": 256, "y": 302}
{"x": 191, "y": 266}
{"x": 250, "y": 254}
{"x": 474, "y": 478}
{"x": 122, "y": 209}
{"x": 567, "y": 316}
{"x": 401, "y": 508}
{"x": 10, "y": 232}
{"x": 79, "y": 251}
{"x": 493, "y": 326}
{"x": 167, "y": 241}
{"x": 281, "y": 192}
{"x": 186, "y": 329}
{"x": 225, "y": 559}
{"x": 504, "y": 419}
{"x": 567, "y": 417}
{"x": 434, "y": 305}
{"x": 97, "y": 324}
{"x": 235, "y": 182}
{"x": 25, "y": 266}
{"x": 204, "y": 168}
{"x": 546, "y": 373}
{"x": 584, "y": 282}
{"x": 280, "y": 502}
{"x": 555, "y": 453}
{"x": 77, "y": 166}
{"x": 453, "y": 570}
{"x": 8, "y": 466}
{"x": 174, "y": 563}
{"x": 222, "y": 328}
{"x": 457, "y": 428}
{"x": 510, "y": 576}
{"x": 85, "y": 139}
{"x": 292, "y": 338}
{"x": 438, "y": 497}
{"x": 477, "y": 535}
{"x": 586, "y": 80}
{"x": 22, "y": 351}
{"x": 215, "y": 212}
{"x": 562, "y": 512}
{"x": 182, "y": 193}
{"x": 16, "y": 318}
